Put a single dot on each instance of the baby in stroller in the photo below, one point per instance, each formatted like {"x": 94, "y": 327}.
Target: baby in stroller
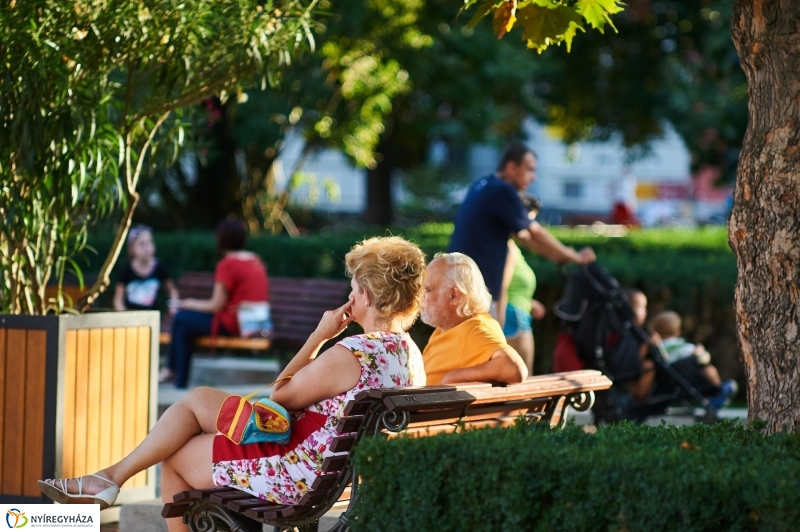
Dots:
{"x": 604, "y": 330}
{"x": 687, "y": 357}
{"x": 692, "y": 361}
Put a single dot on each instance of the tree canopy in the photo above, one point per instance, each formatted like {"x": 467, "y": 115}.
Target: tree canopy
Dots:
{"x": 87, "y": 89}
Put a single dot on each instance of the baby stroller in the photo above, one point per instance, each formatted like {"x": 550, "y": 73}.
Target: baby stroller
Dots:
{"x": 600, "y": 333}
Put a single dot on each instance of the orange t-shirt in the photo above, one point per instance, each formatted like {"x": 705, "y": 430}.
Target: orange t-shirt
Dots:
{"x": 468, "y": 344}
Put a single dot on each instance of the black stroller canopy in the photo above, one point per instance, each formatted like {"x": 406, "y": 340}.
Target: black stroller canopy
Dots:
{"x": 588, "y": 286}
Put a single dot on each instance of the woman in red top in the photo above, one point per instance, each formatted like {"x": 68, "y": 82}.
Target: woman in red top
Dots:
{"x": 240, "y": 276}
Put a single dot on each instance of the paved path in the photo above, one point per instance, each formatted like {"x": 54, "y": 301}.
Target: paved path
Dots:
{"x": 675, "y": 417}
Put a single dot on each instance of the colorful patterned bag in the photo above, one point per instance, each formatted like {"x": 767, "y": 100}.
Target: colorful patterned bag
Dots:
{"x": 244, "y": 422}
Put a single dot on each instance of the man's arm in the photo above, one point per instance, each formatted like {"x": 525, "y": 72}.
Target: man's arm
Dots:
{"x": 538, "y": 239}
{"x": 505, "y": 366}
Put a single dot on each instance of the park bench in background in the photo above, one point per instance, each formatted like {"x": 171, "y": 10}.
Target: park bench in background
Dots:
{"x": 296, "y": 305}
{"x": 387, "y": 413}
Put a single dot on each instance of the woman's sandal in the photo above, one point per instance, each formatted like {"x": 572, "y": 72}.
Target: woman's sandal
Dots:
{"x": 60, "y": 495}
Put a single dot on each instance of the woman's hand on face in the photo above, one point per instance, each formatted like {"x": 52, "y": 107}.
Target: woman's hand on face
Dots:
{"x": 334, "y": 322}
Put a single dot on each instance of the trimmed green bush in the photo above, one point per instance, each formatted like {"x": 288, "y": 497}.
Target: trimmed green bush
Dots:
{"x": 683, "y": 260}
{"x": 623, "y": 478}
{"x": 690, "y": 271}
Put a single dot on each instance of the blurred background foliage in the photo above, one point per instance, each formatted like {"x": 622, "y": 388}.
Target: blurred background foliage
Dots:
{"x": 88, "y": 92}
{"x": 390, "y": 78}
{"x": 669, "y": 62}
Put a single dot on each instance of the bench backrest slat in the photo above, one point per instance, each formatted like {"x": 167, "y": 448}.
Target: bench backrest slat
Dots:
{"x": 324, "y": 482}
{"x": 335, "y": 463}
{"x": 343, "y": 444}
{"x": 440, "y": 400}
{"x": 349, "y": 424}
{"x": 380, "y": 393}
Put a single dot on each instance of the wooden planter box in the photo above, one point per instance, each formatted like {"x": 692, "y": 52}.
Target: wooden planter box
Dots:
{"x": 77, "y": 393}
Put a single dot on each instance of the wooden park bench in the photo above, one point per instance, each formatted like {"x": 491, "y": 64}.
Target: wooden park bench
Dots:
{"x": 388, "y": 413}
{"x": 296, "y": 307}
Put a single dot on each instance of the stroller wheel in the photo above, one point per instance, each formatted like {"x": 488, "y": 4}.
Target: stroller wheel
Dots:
{"x": 708, "y": 417}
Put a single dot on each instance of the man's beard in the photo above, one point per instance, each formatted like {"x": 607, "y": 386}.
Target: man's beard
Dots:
{"x": 428, "y": 317}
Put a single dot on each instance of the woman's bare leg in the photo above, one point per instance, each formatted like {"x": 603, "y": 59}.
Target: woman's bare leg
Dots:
{"x": 523, "y": 344}
{"x": 192, "y": 416}
{"x": 189, "y": 467}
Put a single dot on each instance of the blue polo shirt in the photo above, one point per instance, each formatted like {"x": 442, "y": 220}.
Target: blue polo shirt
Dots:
{"x": 492, "y": 211}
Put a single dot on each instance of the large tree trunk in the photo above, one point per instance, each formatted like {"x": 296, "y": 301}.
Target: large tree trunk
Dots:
{"x": 379, "y": 207}
{"x": 764, "y": 228}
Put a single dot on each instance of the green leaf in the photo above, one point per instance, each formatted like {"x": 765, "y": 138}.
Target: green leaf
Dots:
{"x": 546, "y": 26}
{"x": 596, "y": 12}
{"x": 482, "y": 11}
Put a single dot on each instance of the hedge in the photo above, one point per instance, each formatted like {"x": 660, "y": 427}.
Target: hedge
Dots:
{"x": 623, "y": 478}
{"x": 690, "y": 271}
{"x": 681, "y": 260}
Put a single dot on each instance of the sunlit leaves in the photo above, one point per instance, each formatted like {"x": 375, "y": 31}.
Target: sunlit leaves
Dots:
{"x": 597, "y": 12}
{"x": 547, "y": 25}
{"x": 504, "y": 17}
{"x": 545, "y": 22}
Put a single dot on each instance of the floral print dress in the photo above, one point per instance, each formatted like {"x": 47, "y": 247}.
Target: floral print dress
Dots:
{"x": 284, "y": 473}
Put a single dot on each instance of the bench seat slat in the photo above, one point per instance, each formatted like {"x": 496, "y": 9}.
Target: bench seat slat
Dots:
{"x": 175, "y": 509}
{"x": 274, "y": 511}
{"x": 181, "y": 495}
{"x": 529, "y": 390}
{"x": 424, "y": 419}
{"x": 205, "y": 494}
{"x": 430, "y": 430}
{"x": 223, "y": 497}
{"x": 240, "y": 505}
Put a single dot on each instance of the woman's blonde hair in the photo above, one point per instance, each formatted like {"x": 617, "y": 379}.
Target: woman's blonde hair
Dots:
{"x": 392, "y": 271}
{"x": 466, "y": 277}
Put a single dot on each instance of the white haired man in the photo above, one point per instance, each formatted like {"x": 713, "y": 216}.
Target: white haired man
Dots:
{"x": 468, "y": 344}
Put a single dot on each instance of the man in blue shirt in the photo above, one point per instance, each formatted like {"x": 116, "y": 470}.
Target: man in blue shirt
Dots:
{"x": 493, "y": 212}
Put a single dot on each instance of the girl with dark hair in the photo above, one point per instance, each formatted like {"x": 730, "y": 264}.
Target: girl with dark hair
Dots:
{"x": 240, "y": 277}
{"x": 144, "y": 275}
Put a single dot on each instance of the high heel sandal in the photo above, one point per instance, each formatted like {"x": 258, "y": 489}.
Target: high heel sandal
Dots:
{"x": 60, "y": 495}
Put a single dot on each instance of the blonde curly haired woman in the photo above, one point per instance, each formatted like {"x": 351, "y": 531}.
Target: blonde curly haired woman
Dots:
{"x": 388, "y": 276}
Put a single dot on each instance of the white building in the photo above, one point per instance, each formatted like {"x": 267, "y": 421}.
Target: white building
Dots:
{"x": 586, "y": 177}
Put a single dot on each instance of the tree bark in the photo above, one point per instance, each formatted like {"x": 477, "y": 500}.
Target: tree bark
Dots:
{"x": 379, "y": 207}
{"x": 764, "y": 228}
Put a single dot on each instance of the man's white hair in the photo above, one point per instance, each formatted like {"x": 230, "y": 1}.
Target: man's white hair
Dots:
{"x": 465, "y": 275}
